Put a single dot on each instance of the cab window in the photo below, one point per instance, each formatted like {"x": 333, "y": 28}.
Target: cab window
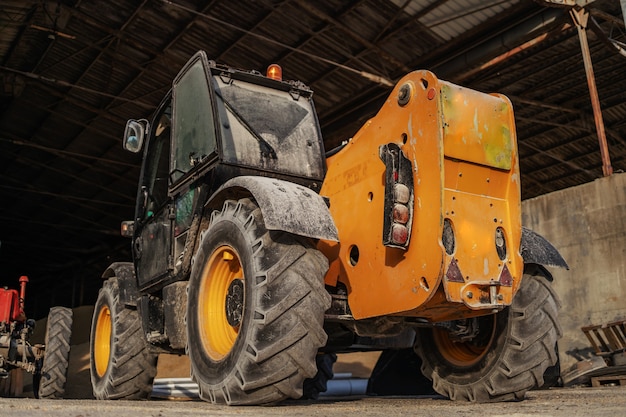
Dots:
{"x": 194, "y": 131}
{"x": 155, "y": 181}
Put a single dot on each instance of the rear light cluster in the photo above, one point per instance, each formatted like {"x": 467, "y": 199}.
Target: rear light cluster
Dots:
{"x": 400, "y": 215}
{"x": 398, "y": 196}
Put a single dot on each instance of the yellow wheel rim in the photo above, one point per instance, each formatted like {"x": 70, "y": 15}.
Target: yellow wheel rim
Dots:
{"x": 464, "y": 354}
{"x": 102, "y": 343}
{"x": 217, "y": 334}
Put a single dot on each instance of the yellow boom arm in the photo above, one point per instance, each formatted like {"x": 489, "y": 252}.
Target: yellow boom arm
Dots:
{"x": 426, "y": 199}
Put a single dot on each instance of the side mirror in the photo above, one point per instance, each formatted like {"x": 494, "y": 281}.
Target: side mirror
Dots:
{"x": 134, "y": 134}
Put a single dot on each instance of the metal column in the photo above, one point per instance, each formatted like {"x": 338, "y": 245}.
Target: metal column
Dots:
{"x": 580, "y": 18}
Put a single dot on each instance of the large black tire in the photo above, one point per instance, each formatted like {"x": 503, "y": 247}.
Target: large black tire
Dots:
{"x": 122, "y": 367}
{"x": 56, "y": 358}
{"x": 313, "y": 387}
{"x": 510, "y": 354}
{"x": 398, "y": 372}
{"x": 256, "y": 304}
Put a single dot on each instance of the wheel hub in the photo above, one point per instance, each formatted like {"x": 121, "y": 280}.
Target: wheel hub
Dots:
{"x": 102, "y": 342}
{"x": 466, "y": 342}
{"x": 221, "y": 302}
{"x": 234, "y": 303}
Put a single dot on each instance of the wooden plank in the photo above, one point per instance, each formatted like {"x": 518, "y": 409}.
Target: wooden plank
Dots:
{"x": 598, "y": 381}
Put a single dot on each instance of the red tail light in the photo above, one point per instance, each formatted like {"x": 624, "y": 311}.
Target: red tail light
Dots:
{"x": 399, "y": 234}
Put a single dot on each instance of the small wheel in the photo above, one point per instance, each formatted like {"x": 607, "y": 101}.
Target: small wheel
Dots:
{"x": 507, "y": 357}
{"x": 255, "y": 313}
{"x": 53, "y": 374}
{"x": 121, "y": 365}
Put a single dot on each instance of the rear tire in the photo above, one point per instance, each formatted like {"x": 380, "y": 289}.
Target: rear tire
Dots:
{"x": 121, "y": 365}
{"x": 57, "y": 354}
{"x": 255, "y": 313}
{"x": 509, "y": 355}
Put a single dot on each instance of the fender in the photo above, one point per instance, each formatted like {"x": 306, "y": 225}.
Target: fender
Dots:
{"x": 125, "y": 274}
{"x": 536, "y": 249}
{"x": 285, "y": 206}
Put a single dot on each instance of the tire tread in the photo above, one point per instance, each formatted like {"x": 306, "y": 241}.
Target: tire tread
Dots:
{"x": 289, "y": 301}
{"x": 132, "y": 368}
{"x": 57, "y": 353}
{"x": 529, "y": 348}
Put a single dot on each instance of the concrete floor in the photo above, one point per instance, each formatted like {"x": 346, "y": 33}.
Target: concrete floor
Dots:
{"x": 564, "y": 402}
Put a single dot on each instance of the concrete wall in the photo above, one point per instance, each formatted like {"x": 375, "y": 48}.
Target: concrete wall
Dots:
{"x": 587, "y": 224}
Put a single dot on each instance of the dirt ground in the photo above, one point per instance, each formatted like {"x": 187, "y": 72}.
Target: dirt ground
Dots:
{"x": 578, "y": 402}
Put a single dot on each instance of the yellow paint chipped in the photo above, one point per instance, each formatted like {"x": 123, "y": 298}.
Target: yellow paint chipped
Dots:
{"x": 477, "y": 127}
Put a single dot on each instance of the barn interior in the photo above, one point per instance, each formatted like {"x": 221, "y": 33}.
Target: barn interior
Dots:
{"x": 72, "y": 72}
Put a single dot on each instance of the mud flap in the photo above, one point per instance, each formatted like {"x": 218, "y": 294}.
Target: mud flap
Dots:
{"x": 125, "y": 273}
{"x": 535, "y": 249}
{"x": 287, "y": 206}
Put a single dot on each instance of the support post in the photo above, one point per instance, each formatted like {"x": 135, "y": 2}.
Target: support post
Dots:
{"x": 580, "y": 18}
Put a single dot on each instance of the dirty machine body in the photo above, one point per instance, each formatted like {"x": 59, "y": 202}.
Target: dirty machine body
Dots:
{"x": 262, "y": 256}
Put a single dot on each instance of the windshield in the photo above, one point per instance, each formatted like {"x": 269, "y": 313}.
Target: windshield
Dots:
{"x": 268, "y": 129}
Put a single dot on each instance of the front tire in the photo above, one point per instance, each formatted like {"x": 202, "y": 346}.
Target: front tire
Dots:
{"x": 508, "y": 356}
{"x": 255, "y": 313}
{"x": 121, "y": 365}
{"x": 50, "y": 383}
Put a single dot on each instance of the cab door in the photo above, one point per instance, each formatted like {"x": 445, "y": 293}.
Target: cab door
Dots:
{"x": 182, "y": 140}
{"x": 152, "y": 243}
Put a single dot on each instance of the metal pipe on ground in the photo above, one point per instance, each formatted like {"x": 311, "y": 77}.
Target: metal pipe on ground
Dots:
{"x": 341, "y": 385}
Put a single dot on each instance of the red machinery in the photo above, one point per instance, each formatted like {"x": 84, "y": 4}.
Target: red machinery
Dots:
{"x": 17, "y": 354}
{"x": 12, "y": 306}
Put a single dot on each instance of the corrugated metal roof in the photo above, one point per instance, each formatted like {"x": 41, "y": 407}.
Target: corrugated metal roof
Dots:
{"x": 73, "y": 71}
{"x": 449, "y": 19}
